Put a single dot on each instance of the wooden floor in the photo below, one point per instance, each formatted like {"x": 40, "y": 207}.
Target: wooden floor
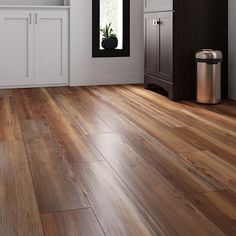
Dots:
{"x": 115, "y": 160}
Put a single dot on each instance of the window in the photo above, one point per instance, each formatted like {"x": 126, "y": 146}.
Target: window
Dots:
{"x": 111, "y": 28}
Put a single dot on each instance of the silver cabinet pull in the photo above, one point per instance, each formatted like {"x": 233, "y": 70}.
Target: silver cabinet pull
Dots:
{"x": 30, "y": 19}
{"x": 36, "y": 18}
{"x": 156, "y": 22}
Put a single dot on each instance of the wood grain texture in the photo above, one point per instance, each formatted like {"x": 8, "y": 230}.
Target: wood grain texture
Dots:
{"x": 147, "y": 185}
{"x": 9, "y": 124}
{"x": 136, "y": 114}
{"x": 27, "y": 104}
{"x": 56, "y": 186}
{"x": 116, "y": 208}
{"x": 71, "y": 223}
{"x": 165, "y": 161}
{"x": 213, "y": 169}
{"x": 18, "y": 207}
{"x": 74, "y": 146}
{"x": 115, "y": 160}
{"x": 219, "y": 207}
{"x": 91, "y": 123}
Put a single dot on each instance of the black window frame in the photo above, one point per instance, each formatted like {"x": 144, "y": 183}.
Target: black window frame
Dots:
{"x": 96, "y": 51}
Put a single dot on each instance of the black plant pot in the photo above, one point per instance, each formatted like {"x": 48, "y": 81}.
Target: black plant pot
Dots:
{"x": 110, "y": 43}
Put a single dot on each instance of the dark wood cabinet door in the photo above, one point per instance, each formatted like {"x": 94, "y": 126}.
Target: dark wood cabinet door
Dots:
{"x": 165, "y": 48}
{"x": 151, "y": 46}
{"x": 158, "y": 5}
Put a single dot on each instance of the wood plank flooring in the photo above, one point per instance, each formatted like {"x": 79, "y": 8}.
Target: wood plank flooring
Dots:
{"x": 115, "y": 160}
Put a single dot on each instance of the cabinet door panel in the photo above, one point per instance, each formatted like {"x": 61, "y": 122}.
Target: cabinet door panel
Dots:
{"x": 151, "y": 46}
{"x": 16, "y": 48}
{"x": 165, "y": 63}
{"x": 158, "y": 5}
{"x": 51, "y": 47}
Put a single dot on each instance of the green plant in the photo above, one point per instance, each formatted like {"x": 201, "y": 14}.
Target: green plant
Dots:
{"x": 107, "y": 32}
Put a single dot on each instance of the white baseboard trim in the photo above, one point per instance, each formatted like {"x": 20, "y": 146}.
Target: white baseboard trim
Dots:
{"x": 33, "y": 86}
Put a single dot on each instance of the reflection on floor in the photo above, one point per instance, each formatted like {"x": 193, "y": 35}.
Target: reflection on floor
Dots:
{"x": 115, "y": 160}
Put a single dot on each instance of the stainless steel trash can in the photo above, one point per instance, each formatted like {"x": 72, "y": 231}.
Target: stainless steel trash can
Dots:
{"x": 209, "y": 76}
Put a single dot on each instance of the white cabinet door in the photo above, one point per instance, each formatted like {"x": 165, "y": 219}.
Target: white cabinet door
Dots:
{"x": 51, "y": 47}
{"x": 16, "y": 48}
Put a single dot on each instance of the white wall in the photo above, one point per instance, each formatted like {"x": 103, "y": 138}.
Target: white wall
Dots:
{"x": 86, "y": 70}
{"x": 232, "y": 49}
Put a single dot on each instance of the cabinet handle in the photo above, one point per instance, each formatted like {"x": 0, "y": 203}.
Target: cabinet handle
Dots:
{"x": 30, "y": 19}
{"x": 156, "y": 22}
{"x": 36, "y": 18}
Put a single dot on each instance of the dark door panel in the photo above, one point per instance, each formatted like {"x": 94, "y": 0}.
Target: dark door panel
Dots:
{"x": 165, "y": 41}
{"x": 150, "y": 44}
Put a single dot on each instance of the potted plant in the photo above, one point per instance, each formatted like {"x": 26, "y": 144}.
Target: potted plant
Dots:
{"x": 109, "y": 39}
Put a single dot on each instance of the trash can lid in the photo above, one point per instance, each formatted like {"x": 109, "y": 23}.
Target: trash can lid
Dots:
{"x": 209, "y": 54}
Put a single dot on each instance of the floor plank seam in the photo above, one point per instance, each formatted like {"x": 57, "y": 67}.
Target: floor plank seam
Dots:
{"x": 162, "y": 142}
{"x": 132, "y": 174}
{"x": 205, "y": 192}
{"x": 130, "y": 189}
{"x": 29, "y": 166}
{"x": 98, "y": 222}
{"x": 86, "y": 130}
{"x": 80, "y": 177}
{"x": 61, "y": 211}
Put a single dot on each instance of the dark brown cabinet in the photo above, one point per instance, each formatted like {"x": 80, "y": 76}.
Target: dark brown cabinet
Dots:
{"x": 151, "y": 44}
{"x": 158, "y": 44}
{"x": 174, "y": 31}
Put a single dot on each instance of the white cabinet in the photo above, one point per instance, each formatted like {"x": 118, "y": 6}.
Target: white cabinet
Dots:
{"x": 51, "y": 47}
{"x": 16, "y": 48}
{"x": 33, "y": 47}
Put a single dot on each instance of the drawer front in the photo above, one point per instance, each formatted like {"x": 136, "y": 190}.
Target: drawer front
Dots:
{"x": 158, "y": 5}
